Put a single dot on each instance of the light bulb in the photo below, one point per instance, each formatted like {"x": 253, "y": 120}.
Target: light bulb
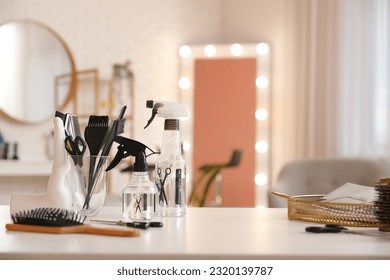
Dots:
{"x": 261, "y": 114}
{"x": 262, "y": 49}
{"x": 236, "y": 50}
{"x": 184, "y": 83}
{"x": 261, "y": 146}
{"x": 261, "y": 179}
{"x": 210, "y": 50}
{"x": 185, "y": 51}
{"x": 262, "y": 82}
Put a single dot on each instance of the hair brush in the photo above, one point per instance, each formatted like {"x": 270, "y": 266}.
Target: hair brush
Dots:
{"x": 56, "y": 220}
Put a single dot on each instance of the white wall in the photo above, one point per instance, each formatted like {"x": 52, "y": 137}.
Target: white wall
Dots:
{"x": 100, "y": 33}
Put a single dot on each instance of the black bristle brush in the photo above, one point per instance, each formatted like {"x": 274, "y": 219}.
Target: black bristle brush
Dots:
{"x": 56, "y": 220}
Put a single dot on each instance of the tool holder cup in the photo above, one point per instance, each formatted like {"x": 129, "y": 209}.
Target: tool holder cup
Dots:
{"x": 87, "y": 180}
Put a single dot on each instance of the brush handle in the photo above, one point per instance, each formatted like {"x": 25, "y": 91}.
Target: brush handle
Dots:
{"x": 86, "y": 229}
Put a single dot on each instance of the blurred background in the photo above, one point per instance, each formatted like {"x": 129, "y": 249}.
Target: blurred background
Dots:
{"x": 328, "y": 75}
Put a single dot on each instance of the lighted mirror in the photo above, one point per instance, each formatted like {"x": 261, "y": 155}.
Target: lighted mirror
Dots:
{"x": 33, "y": 57}
{"x": 228, "y": 91}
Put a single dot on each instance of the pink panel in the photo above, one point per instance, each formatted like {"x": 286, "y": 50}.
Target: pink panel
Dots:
{"x": 224, "y": 120}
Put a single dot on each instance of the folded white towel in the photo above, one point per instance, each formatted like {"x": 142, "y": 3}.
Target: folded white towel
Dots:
{"x": 351, "y": 193}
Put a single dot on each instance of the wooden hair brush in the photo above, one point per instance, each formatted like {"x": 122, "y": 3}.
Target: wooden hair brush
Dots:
{"x": 56, "y": 220}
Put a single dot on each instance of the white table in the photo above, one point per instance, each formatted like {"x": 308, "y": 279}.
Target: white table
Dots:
{"x": 205, "y": 233}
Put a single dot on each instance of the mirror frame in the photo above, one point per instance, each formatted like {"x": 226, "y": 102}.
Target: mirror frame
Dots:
{"x": 73, "y": 80}
{"x": 262, "y": 52}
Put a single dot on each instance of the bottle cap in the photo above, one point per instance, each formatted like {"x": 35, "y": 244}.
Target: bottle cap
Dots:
{"x": 140, "y": 164}
{"x": 170, "y": 124}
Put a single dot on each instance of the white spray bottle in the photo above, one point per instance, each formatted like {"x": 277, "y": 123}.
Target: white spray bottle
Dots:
{"x": 171, "y": 167}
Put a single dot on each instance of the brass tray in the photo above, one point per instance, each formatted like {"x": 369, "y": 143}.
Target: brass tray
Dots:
{"x": 310, "y": 208}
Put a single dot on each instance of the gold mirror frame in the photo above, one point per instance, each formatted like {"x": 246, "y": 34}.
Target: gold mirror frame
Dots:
{"x": 66, "y": 93}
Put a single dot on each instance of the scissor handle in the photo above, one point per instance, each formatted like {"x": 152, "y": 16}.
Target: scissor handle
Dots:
{"x": 80, "y": 145}
{"x": 75, "y": 147}
{"x": 324, "y": 229}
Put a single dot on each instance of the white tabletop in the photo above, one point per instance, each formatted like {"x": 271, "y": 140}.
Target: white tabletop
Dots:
{"x": 204, "y": 233}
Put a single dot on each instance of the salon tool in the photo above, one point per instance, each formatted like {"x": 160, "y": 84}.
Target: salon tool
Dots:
{"x": 142, "y": 225}
{"x": 56, "y": 220}
{"x": 72, "y": 125}
{"x": 138, "y": 195}
{"x": 94, "y": 135}
{"x": 170, "y": 182}
{"x": 330, "y": 228}
{"x": 76, "y": 148}
{"x": 128, "y": 147}
{"x": 382, "y": 203}
{"x": 60, "y": 115}
{"x": 95, "y": 132}
{"x": 116, "y": 128}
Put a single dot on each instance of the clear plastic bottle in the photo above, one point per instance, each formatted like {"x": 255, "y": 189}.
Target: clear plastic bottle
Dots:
{"x": 138, "y": 195}
{"x": 171, "y": 173}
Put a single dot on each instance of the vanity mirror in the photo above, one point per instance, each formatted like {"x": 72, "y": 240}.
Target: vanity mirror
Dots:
{"x": 32, "y": 55}
{"x": 227, "y": 89}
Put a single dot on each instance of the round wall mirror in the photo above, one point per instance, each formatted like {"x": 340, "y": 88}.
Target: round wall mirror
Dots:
{"x": 37, "y": 71}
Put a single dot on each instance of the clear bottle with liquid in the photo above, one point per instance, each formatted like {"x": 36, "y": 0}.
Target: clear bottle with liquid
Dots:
{"x": 171, "y": 173}
{"x": 138, "y": 195}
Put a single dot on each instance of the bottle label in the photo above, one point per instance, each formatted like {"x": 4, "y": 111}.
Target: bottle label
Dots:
{"x": 171, "y": 184}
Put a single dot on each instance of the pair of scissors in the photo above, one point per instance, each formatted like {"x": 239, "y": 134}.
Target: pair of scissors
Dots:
{"x": 163, "y": 196}
{"x": 76, "y": 148}
{"x": 331, "y": 228}
{"x": 135, "y": 224}
{"x": 328, "y": 229}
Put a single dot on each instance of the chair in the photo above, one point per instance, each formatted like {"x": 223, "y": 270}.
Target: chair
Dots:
{"x": 322, "y": 175}
{"x": 209, "y": 173}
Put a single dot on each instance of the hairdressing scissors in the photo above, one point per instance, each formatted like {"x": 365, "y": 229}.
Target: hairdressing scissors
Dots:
{"x": 330, "y": 228}
{"x": 134, "y": 224}
{"x": 326, "y": 229}
{"x": 163, "y": 196}
{"x": 76, "y": 148}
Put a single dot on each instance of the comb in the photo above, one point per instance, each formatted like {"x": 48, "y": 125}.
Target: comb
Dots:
{"x": 117, "y": 127}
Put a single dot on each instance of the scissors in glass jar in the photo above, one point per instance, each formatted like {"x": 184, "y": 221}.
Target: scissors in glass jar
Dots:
{"x": 76, "y": 148}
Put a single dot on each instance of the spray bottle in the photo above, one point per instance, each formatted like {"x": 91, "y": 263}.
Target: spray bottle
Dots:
{"x": 138, "y": 195}
{"x": 170, "y": 164}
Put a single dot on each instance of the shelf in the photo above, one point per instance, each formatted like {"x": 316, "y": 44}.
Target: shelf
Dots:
{"x": 24, "y": 168}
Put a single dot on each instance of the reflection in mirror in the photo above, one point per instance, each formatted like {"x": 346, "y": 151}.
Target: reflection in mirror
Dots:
{"x": 227, "y": 89}
{"x": 32, "y": 56}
